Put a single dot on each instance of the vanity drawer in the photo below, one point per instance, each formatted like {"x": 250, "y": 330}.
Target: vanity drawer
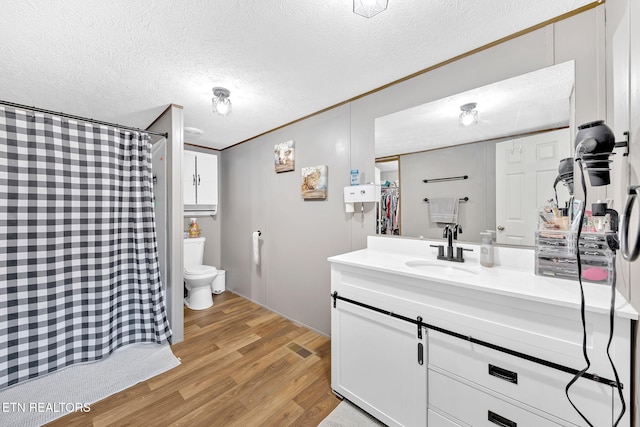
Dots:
{"x": 476, "y": 408}
{"x": 530, "y": 383}
{"x": 434, "y": 419}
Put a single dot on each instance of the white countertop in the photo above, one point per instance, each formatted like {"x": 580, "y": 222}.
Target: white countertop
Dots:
{"x": 513, "y": 275}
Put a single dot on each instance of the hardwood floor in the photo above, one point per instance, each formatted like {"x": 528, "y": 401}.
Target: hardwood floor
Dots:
{"x": 242, "y": 365}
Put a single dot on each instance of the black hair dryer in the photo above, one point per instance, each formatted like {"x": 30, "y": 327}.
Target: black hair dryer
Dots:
{"x": 565, "y": 174}
{"x": 594, "y": 144}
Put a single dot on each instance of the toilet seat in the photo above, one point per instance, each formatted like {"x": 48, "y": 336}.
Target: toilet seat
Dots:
{"x": 196, "y": 271}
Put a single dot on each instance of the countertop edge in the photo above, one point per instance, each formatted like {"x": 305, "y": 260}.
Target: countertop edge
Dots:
{"x": 623, "y": 310}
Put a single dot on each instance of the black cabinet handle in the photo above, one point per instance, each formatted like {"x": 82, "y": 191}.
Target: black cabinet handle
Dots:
{"x": 420, "y": 354}
{"x": 501, "y": 421}
{"x": 503, "y": 374}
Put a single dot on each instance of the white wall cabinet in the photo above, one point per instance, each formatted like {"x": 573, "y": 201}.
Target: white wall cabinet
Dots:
{"x": 381, "y": 364}
{"x": 200, "y": 180}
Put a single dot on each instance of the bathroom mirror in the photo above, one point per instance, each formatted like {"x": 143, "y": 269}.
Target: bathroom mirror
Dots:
{"x": 501, "y": 169}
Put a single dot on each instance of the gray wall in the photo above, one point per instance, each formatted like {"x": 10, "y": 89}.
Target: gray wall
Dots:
{"x": 477, "y": 161}
{"x": 298, "y": 235}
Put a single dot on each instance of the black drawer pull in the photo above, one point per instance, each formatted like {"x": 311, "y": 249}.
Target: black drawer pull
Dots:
{"x": 503, "y": 374}
{"x": 501, "y": 421}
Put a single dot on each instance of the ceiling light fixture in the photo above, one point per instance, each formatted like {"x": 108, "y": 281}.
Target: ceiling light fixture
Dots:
{"x": 369, "y": 8}
{"x": 469, "y": 115}
{"x": 221, "y": 102}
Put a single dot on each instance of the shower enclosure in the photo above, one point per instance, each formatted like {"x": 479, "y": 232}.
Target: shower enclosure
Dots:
{"x": 79, "y": 269}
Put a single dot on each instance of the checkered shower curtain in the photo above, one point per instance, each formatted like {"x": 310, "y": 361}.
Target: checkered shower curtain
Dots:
{"x": 79, "y": 273}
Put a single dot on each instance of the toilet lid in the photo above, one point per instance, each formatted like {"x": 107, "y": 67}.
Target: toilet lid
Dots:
{"x": 200, "y": 269}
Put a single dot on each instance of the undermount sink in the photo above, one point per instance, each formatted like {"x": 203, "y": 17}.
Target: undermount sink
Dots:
{"x": 445, "y": 267}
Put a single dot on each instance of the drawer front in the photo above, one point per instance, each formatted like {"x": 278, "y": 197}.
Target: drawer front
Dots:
{"x": 532, "y": 384}
{"x": 476, "y": 408}
{"x": 434, "y": 419}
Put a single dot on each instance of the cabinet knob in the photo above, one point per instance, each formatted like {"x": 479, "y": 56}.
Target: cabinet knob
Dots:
{"x": 500, "y": 228}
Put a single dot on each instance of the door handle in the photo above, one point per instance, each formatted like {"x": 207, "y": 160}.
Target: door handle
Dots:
{"x": 420, "y": 354}
{"x": 194, "y": 179}
{"x": 198, "y": 179}
{"x": 500, "y": 228}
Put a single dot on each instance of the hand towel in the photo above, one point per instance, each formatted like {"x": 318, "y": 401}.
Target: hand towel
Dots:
{"x": 444, "y": 210}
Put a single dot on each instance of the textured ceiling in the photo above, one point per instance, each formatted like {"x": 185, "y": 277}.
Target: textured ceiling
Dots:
{"x": 125, "y": 61}
{"x": 530, "y": 102}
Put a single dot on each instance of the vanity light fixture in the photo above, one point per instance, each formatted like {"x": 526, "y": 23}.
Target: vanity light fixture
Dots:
{"x": 369, "y": 8}
{"x": 469, "y": 115}
{"x": 221, "y": 102}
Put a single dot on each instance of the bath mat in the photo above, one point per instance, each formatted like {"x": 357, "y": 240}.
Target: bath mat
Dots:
{"x": 74, "y": 388}
{"x": 347, "y": 414}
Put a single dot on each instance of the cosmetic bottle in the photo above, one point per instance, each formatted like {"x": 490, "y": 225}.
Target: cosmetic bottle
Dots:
{"x": 599, "y": 212}
{"x": 486, "y": 250}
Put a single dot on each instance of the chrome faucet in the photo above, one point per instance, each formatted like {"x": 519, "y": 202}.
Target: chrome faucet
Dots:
{"x": 450, "y": 232}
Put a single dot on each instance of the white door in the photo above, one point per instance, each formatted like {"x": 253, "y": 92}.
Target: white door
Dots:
{"x": 189, "y": 178}
{"x": 526, "y": 169}
{"x": 207, "y": 179}
{"x": 374, "y": 360}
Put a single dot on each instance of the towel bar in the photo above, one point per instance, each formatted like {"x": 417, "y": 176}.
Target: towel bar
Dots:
{"x": 462, "y": 199}
{"x": 452, "y": 178}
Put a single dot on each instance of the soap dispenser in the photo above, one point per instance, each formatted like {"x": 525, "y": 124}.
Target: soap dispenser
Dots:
{"x": 194, "y": 228}
{"x": 486, "y": 250}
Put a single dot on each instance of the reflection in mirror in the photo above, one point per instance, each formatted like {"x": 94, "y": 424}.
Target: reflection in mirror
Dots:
{"x": 388, "y": 211}
{"x": 510, "y": 156}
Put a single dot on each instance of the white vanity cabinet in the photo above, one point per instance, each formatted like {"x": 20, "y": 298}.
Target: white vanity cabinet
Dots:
{"x": 379, "y": 364}
{"x": 499, "y": 345}
{"x": 200, "y": 178}
{"x": 470, "y": 382}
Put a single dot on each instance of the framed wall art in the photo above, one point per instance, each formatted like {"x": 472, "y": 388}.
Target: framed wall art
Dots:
{"x": 284, "y": 156}
{"x": 314, "y": 182}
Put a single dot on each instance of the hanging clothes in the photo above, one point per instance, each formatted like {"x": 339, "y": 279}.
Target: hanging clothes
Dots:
{"x": 79, "y": 268}
{"x": 389, "y": 216}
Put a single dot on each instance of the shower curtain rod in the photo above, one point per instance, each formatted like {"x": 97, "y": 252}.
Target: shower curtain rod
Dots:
{"x": 84, "y": 119}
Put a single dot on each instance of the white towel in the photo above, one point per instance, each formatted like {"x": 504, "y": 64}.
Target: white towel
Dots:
{"x": 444, "y": 210}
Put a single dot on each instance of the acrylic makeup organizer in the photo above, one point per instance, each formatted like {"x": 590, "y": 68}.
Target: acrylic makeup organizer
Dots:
{"x": 556, "y": 256}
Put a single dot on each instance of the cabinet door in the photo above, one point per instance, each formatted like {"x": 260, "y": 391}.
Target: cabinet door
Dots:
{"x": 207, "y": 179}
{"x": 189, "y": 178}
{"x": 375, "y": 365}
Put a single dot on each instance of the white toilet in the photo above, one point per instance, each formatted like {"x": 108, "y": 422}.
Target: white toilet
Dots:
{"x": 197, "y": 277}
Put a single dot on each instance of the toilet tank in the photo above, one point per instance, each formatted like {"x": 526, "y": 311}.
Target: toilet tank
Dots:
{"x": 193, "y": 251}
